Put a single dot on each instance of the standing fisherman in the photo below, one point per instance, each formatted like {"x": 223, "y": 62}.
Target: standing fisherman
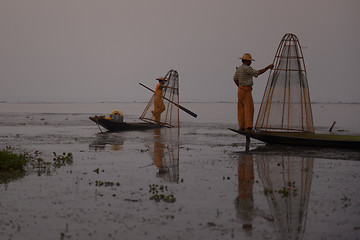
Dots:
{"x": 243, "y": 78}
{"x": 159, "y": 106}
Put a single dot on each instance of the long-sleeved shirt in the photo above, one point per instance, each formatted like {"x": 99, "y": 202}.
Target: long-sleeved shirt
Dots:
{"x": 244, "y": 75}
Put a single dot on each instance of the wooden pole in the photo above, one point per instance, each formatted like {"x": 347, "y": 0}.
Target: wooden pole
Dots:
{"x": 247, "y": 147}
{"x": 99, "y": 127}
{"x": 332, "y": 126}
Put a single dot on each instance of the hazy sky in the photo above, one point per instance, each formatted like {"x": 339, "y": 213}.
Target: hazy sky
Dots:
{"x": 99, "y": 50}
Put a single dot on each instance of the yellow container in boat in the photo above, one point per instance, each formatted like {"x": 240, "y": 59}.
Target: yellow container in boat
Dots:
{"x": 117, "y": 116}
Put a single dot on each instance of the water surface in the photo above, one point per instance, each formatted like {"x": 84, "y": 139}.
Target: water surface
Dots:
{"x": 221, "y": 190}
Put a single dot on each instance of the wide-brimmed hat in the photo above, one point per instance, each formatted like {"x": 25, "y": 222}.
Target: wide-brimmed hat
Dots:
{"x": 247, "y": 56}
{"x": 161, "y": 79}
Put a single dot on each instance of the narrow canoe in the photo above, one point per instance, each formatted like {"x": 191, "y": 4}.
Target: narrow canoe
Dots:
{"x": 113, "y": 125}
{"x": 304, "y": 139}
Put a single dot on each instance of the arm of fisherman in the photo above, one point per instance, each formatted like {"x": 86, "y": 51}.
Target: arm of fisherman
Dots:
{"x": 271, "y": 66}
{"x": 161, "y": 87}
{"x": 236, "y": 80}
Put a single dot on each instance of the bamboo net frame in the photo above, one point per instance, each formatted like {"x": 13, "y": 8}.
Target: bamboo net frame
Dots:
{"x": 286, "y": 104}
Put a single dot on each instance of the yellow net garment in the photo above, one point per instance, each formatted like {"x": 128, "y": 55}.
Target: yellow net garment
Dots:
{"x": 169, "y": 117}
{"x": 286, "y": 104}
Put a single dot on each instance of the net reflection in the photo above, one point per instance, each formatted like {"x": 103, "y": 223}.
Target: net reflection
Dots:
{"x": 166, "y": 154}
{"x": 287, "y": 182}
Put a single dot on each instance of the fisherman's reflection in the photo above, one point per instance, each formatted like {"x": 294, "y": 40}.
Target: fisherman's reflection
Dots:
{"x": 287, "y": 182}
{"x": 159, "y": 154}
{"x": 166, "y": 157}
{"x": 244, "y": 203}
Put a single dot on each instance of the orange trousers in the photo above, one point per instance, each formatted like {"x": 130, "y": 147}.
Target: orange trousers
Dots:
{"x": 245, "y": 107}
{"x": 159, "y": 107}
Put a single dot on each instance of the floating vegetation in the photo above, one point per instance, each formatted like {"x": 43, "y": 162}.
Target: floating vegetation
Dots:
{"x": 155, "y": 189}
{"x": 15, "y": 165}
{"x": 285, "y": 191}
{"x": 97, "y": 170}
{"x": 12, "y": 165}
{"x": 131, "y": 200}
{"x": 346, "y": 201}
{"x": 158, "y": 197}
{"x": 45, "y": 167}
{"x": 62, "y": 160}
{"x": 267, "y": 191}
{"x": 106, "y": 184}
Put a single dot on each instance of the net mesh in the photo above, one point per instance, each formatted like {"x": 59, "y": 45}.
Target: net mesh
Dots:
{"x": 286, "y": 103}
{"x": 170, "y": 116}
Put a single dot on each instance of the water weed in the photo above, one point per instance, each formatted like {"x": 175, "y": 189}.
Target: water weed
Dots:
{"x": 14, "y": 165}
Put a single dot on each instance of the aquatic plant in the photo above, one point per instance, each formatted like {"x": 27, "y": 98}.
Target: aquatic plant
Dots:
{"x": 267, "y": 191}
{"x": 12, "y": 165}
{"x": 10, "y": 161}
{"x": 346, "y": 201}
{"x": 97, "y": 170}
{"x": 106, "y": 183}
{"x": 158, "y": 197}
{"x": 62, "y": 160}
{"x": 155, "y": 189}
{"x": 15, "y": 165}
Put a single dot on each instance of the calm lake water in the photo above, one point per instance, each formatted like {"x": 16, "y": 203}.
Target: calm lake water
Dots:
{"x": 221, "y": 191}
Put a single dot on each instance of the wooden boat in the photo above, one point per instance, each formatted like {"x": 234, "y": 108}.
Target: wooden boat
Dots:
{"x": 304, "y": 139}
{"x": 115, "y": 125}
{"x": 169, "y": 117}
{"x": 285, "y": 114}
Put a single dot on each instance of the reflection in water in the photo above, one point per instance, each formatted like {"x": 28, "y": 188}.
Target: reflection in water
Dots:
{"x": 287, "y": 182}
{"x": 166, "y": 154}
{"x": 244, "y": 203}
{"x": 114, "y": 139}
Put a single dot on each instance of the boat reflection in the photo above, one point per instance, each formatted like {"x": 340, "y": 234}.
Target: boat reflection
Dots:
{"x": 287, "y": 183}
{"x": 166, "y": 154}
{"x": 114, "y": 139}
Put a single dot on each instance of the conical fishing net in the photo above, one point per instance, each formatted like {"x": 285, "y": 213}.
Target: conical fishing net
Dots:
{"x": 286, "y": 103}
{"x": 170, "y": 98}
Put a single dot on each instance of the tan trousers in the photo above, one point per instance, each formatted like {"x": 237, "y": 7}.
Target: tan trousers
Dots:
{"x": 245, "y": 107}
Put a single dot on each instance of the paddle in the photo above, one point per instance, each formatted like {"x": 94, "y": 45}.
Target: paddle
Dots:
{"x": 178, "y": 105}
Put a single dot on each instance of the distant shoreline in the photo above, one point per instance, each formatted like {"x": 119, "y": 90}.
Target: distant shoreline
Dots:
{"x": 50, "y": 102}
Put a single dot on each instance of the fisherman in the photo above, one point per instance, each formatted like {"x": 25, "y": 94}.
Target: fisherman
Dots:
{"x": 159, "y": 106}
{"x": 243, "y": 78}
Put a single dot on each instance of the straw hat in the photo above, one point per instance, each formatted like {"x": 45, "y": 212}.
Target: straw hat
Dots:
{"x": 161, "y": 79}
{"x": 247, "y": 56}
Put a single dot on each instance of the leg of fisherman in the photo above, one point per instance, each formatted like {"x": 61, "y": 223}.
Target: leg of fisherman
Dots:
{"x": 241, "y": 110}
{"x": 248, "y": 109}
{"x": 156, "y": 111}
{"x": 162, "y": 106}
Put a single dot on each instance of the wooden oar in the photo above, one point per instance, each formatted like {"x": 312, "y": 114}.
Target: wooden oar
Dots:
{"x": 178, "y": 105}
